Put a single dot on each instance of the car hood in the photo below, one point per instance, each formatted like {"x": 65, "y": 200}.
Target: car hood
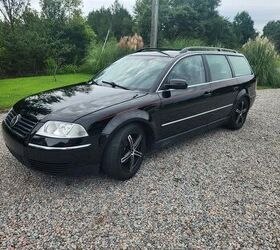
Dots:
{"x": 72, "y": 102}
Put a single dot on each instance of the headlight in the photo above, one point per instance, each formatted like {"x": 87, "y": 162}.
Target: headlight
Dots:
{"x": 62, "y": 130}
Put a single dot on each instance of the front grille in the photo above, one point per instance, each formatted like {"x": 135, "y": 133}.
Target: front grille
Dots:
{"x": 22, "y": 127}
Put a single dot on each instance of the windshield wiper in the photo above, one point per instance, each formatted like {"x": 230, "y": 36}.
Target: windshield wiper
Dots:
{"x": 92, "y": 81}
{"x": 113, "y": 84}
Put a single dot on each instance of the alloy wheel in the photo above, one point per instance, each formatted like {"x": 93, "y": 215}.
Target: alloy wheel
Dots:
{"x": 241, "y": 112}
{"x": 131, "y": 152}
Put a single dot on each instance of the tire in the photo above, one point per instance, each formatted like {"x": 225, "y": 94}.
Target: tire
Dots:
{"x": 124, "y": 153}
{"x": 239, "y": 113}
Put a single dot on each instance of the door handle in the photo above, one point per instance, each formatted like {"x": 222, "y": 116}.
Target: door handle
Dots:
{"x": 208, "y": 93}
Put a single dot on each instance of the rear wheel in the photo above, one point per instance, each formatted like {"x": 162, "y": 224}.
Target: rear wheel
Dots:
{"x": 124, "y": 153}
{"x": 239, "y": 113}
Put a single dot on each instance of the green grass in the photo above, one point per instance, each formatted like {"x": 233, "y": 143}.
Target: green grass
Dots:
{"x": 260, "y": 87}
{"x": 12, "y": 90}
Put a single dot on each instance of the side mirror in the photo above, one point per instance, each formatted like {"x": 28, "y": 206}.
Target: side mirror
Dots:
{"x": 176, "y": 84}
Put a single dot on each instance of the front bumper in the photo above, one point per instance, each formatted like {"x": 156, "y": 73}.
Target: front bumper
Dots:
{"x": 74, "y": 160}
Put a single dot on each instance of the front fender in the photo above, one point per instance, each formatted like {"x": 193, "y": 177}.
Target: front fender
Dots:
{"x": 124, "y": 118}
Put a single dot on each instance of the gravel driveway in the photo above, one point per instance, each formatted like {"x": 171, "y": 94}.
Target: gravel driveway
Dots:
{"x": 217, "y": 190}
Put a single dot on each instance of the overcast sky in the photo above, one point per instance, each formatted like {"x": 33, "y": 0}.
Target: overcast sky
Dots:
{"x": 260, "y": 10}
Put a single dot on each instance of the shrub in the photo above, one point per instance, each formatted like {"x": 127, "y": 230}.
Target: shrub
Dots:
{"x": 182, "y": 43}
{"x": 263, "y": 57}
{"x": 68, "y": 69}
{"x": 52, "y": 66}
{"x": 97, "y": 59}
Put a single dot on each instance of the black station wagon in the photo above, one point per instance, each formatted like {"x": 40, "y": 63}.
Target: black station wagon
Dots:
{"x": 142, "y": 100}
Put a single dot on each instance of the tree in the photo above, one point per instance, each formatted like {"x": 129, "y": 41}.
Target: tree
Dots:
{"x": 78, "y": 34}
{"x": 58, "y": 35}
{"x": 100, "y": 22}
{"x": 244, "y": 27}
{"x": 272, "y": 31}
{"x": 142, "y": 18}
{"x": 220, "y": 33}
{"x": 67, "y": 33}
{"x": 60, "y": 10}
{"x": 116, "y": 18}
{"x": 12, "y": 10}
{"x": 187, "y": 19}
{"x": 121, "y": 20}
{"x": 206, "y": 8}
{"x": 26, "y": 48}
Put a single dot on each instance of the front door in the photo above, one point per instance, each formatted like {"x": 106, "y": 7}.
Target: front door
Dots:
{"x": 184, "y": 110}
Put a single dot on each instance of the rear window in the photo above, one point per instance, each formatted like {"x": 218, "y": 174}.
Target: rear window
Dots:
{"x": 240, "y": 66}
{"x": 219, "y": 67}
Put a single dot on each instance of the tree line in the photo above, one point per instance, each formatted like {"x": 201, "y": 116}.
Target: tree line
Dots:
{"x": 59, "y": 36}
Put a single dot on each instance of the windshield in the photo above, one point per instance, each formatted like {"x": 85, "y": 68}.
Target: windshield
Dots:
{"x": 134, "y": 72}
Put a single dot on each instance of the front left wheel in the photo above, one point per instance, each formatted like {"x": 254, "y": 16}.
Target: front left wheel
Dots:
{"x": 124, "y": 153}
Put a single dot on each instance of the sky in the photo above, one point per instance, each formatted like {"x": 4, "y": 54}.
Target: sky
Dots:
{"x": 261, "y": 11}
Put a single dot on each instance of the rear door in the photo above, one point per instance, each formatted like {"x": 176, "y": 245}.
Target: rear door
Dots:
{"x": 224, "y": 86}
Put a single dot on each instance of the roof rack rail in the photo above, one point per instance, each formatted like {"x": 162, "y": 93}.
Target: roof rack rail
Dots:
{"x": 155, "y": 49}
{"x": 187, "y": 49}
{"x": 160, "y": 50}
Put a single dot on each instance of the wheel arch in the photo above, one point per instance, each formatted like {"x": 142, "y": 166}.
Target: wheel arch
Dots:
{"x": 123, "y": 119}
{"x": 243, "y": 92}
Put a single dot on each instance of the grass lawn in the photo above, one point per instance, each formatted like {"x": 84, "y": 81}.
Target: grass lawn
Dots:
{"x": 12, "y": 90}
{"x": 260, "y": 87}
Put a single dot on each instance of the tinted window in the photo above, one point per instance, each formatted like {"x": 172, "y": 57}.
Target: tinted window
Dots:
{"x": 190, "y": 69}
{"x": 240, "y": 66}
{"x": 219, "y": 67}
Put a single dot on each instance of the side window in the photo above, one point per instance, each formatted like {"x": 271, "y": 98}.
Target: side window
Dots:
{"x": 190, "y": 69}
{"x": 240, "y": 66}
{"x": 219, "y": 67}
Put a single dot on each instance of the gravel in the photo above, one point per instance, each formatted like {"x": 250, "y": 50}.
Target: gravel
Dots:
{"x": 219, "y": 190}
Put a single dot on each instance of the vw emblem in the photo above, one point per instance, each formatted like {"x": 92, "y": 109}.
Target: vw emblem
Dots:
{"x": 15, "y": 120}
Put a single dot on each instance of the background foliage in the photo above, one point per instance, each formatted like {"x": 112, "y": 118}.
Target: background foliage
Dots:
{"x": 59, "y": 39}
{"x": 264, "y": 59}
{"x": 98, "y": 59}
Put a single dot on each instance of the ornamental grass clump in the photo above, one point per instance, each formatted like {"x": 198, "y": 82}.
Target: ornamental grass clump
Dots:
{"x": 264, "y": 59}
{"x": 134, "y": 42}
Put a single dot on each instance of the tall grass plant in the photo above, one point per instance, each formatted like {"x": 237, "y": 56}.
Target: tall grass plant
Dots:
{"x": 264, "y": 59}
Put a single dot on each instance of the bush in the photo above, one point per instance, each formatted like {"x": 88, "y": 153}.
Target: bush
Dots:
{"x": 68, "y": 69}
{"x": 182, "y": 43}
{"x": 263, "y": 57}
{"x": 52, "y": 66}
{"x": 98, "y": 60}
